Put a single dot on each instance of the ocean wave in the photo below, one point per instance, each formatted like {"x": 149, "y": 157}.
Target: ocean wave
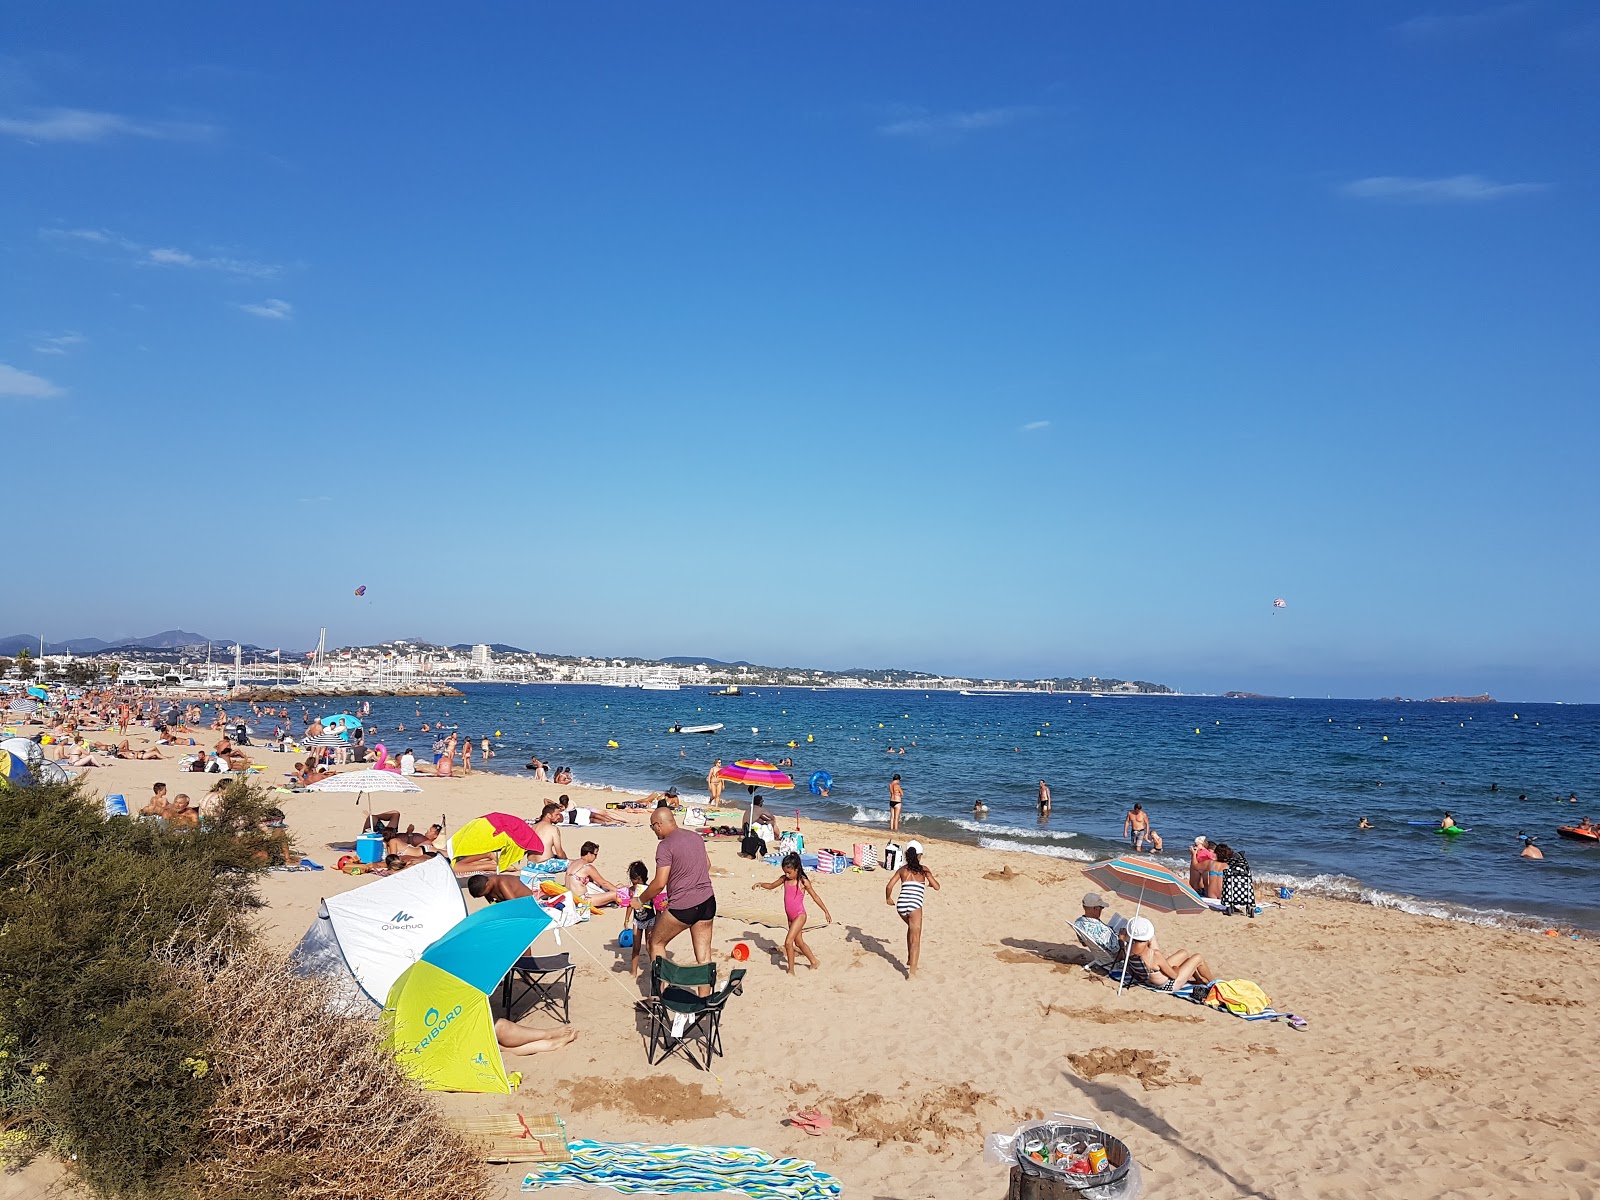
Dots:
{"x": 880, "y": 816}
{"x": 1069, "y": 852}
{"x": 1353, "y": 891}
{"x": 1053, "y": 835}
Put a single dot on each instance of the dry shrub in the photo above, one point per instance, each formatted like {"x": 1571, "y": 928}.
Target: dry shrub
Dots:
{"x": 306, "y": 1106}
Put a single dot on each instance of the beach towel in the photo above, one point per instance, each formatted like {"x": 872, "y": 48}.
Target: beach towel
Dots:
{"x": 1192, "y": 995}
{"x": 640, "y": 1170}
{"x": 518, "y": 1138}
{"x": 1241, "y": 997}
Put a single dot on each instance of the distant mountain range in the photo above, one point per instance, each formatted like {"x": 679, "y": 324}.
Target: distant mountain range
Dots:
{"x": 171, "y": 639}
{"x": 681, "y": 661}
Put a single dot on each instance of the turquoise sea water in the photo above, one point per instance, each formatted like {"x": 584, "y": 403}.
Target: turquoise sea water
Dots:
{"x": 1284, "y": 780}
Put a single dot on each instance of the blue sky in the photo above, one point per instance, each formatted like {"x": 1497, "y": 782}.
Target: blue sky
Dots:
{"x": 1017, "y": 338}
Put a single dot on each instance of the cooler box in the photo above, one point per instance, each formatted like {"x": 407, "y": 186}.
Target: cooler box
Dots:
{"x": 369, "y": 848}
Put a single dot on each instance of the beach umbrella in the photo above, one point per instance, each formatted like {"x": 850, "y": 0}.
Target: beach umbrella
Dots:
{"x": 23, "y": 704}
{"x": 344, "y": 721}
{"x": 28, "y": 750}
{"x": 13, "y": 771}
{"x": 1145, "y": 881}
{"x": 37, "y": 692}
{"x": 756, "y": 772}
{"x": 326, "y": 739}
{"x": 364, "y": 783}
{"x": 437, "y": 1019}
{"x": 512, "y": 841}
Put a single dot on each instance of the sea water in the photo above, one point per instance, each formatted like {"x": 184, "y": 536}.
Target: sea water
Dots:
{"x": 1286, "y": 781}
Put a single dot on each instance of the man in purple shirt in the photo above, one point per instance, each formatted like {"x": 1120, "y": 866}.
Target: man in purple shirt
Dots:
{"x": 683, "y": 872}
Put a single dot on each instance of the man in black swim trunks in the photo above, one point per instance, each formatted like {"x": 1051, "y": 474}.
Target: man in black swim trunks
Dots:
{"x": 683, "y": 872}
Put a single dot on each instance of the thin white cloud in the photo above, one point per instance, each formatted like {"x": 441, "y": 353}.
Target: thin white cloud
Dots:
{"x": 1449, "y": 189}
{"x": 272, "y": 310}
{"x": 83, "y": 125}
{"x": 166, "y": 256}
{"x": 1438, "y": 26}
{"x": 1035, "y": 426}
{"x": 946, "y": 126}
{"x": 57, "y": 343}
{"x": 25, "y": 384}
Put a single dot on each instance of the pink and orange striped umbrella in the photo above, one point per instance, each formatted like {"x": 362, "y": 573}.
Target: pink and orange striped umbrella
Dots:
{"x": 756, "y": 772}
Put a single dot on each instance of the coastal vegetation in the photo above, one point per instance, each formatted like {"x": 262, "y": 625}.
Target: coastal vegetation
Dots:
{"x": 149, "y": 1042}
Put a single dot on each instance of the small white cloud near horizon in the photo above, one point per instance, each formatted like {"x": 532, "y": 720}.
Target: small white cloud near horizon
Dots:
{"x": 1035, "y": 426}
{"x": 83, "y": 125}
{"x": 1448, "y": 189}
{"x": 25, "y": 384}
{"x": 272, "y": 310}
{"x": 919, "y": 123}
{"x": 57, "y": 343}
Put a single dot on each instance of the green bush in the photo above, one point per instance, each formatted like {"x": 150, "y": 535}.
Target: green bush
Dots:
{"x": 98, "y": 1043}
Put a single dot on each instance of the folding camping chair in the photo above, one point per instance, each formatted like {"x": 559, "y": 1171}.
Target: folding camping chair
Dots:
{"x": 538, "y": 974}
{"x": 679, "y": 1017}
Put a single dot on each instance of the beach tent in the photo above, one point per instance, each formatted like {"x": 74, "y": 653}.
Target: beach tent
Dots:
{"x": 366, "y": 938}
{"x": 438, "y": 1022}
{"x": 28, "y": 750}
{"x": 14, "y": 771}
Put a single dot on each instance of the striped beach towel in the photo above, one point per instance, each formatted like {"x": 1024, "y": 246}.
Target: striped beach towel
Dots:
{"x": 633, "y": 1168}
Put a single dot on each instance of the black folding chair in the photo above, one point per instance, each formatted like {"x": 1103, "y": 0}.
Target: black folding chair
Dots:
{"x": 538, "y": 974}
{"x": 672, "y": 998}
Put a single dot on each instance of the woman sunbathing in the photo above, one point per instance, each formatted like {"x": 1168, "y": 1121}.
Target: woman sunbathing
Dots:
{"x": 123, "y": 751}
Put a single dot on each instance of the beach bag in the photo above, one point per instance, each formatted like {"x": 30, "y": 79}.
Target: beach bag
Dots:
{"x": 891, "y": 857}
{"x": 864, "y": 855}
{"x": 831, "y": 862}
{"x": 1242, "y": 996}
{"x": 792, "y": 843}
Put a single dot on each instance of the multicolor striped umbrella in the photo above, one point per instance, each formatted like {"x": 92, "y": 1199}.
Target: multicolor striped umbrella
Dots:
{"x": 756, "y": 772}
{"x": 1145, "y": 881}
{"x": 23, "y": 705}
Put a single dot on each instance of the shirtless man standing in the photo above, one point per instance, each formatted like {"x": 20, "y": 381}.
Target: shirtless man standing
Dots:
{"x": 1136, "y": 826}
{"x": 1044, "y": 798}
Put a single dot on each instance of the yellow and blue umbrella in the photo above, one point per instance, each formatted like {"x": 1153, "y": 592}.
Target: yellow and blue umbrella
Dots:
{"x": 13, "y": 771}
{"x": 437, "y": 1019}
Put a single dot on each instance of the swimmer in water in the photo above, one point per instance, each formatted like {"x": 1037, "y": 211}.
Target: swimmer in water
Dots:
{"x": 979, "y": 808}
{"x": 1449, "y": 822}
{"x": 1365, "y": 824}
{"x": 1529, "y": 850}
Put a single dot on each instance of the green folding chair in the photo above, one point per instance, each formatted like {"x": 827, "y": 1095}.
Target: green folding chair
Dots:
{"x": 673, "y": 1002}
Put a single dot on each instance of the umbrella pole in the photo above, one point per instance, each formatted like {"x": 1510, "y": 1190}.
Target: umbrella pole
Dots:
{"x": 1128, "y": 953}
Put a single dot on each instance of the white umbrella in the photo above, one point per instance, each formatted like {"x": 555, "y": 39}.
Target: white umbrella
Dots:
{"x": 25, "y": 705}
{"x": 365, "y": 782}
{"x": 326, "y": 739}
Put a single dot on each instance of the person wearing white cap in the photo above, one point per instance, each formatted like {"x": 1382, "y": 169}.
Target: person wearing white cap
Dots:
{"x": 1093, "y": 927}
{"x": 1164, "y": 972}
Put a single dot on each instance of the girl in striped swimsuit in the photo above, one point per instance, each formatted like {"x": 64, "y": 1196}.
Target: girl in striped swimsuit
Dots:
{"x": 913, "y": 879}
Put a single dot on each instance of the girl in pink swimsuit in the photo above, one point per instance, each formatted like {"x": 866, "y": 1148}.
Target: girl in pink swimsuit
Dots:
{"x": 796, "y": 887}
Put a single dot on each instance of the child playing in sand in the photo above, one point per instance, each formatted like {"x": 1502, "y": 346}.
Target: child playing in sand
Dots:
{"x": 643, "y": 914}
{"x": 796, "y": 887}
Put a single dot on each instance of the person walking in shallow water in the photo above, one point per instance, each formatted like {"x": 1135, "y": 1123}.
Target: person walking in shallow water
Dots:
{"x": 897, "y": 796}
{"x": 1044, "y": 798}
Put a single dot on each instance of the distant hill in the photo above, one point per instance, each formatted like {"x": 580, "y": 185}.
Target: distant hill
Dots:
{"x": 681, "y": 661}
{"x": 170, "y": 639}
{"x": 497, "y": 647}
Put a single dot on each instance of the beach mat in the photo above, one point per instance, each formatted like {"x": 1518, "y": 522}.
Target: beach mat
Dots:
{"x": 635, "y": 1169}
{"x": 517, "y": 1138}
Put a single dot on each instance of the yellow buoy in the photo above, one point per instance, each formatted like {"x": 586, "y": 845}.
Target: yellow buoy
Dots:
{"x": 809, "y": 738}
{"x": 1197, "y": 729}
{"x": 497, "y": 733}
{"x": 880, "y": 724}
{"x": 612, "y": 744}
{"x": 1515, "y": 717}
{"x": 1038, "y": 733}
{"x": 1386, "y": 737}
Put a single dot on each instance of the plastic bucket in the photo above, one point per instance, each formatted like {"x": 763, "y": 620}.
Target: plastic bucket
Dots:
{"x": 116, "y": 805}
{"x": 1285, "y": 893}
{"x": 369, "y": 848}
